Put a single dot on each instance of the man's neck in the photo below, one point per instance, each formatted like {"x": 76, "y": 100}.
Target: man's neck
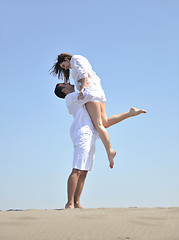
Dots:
{"x": 69, "y": 92}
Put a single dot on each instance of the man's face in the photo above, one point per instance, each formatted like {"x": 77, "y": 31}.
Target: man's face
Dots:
{"x": 69, "y": 87}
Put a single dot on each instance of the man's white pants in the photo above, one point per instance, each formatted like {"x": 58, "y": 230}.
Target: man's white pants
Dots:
{"x": 84, "y": 152}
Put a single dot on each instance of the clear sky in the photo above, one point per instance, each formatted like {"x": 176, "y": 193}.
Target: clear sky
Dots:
{"x": 133, "y": 47}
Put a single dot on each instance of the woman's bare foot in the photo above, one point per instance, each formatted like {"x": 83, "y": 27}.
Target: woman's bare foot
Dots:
{"x": 69, "y": 205}
{"x": 134, "y": 111}
{"x": 111, "y": 157}
{"x": 77, "y": 205}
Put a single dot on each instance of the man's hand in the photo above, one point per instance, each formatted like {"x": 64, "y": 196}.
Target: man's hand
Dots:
{"x": 81, "y": 94}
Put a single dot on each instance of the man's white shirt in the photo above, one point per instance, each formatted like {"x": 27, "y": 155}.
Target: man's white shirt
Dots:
{"x": 82, "y": 125}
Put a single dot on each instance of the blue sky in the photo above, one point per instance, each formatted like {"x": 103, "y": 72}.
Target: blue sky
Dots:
{"x": 133, "y": 47}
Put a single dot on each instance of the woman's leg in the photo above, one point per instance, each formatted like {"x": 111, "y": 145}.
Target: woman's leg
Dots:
{"x": 107, "y": 122}
{"x": 94, "y": 111}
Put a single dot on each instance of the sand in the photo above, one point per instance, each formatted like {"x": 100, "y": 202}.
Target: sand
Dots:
{"x": 91, "y": 224}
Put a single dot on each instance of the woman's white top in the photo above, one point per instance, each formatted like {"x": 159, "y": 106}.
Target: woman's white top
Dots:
{"x": 81, "y": 68}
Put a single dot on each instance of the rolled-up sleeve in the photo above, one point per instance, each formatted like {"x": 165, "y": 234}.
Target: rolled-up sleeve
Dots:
{"x": 81, "y": 69}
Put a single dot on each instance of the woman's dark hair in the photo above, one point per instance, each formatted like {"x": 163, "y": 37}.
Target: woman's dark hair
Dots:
{"x": 61, "y": 72}
{"x": 58, "y": 91}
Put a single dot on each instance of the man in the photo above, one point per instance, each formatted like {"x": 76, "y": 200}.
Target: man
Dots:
{"x": 83, "y": 135}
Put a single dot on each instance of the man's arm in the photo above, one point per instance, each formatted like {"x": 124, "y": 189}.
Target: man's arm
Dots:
{"x": 73, "y": 104}
{"x": 87, "y": 98}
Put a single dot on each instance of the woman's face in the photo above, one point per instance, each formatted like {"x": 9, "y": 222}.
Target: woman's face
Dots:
{"x": 66, "y": 64}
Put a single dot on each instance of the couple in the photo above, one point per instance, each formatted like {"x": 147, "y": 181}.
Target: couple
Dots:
{"x": 84, "y": 135}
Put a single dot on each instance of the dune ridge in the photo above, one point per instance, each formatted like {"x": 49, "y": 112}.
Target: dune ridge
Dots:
{"x": 90, "y": 224}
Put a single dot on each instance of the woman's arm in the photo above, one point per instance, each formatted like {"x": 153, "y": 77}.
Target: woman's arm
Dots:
{"x": 84, "y": 83}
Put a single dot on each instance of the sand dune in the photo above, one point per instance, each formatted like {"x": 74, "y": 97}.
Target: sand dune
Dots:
{"x": 91, "y": 224}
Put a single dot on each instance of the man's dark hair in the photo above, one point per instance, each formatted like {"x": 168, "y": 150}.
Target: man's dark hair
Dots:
{"x": 58, "y": 91}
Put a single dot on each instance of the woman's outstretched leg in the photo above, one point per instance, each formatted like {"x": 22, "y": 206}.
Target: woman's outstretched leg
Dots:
{"x": 107, "y": 122}
{"x": 94, "y": 111}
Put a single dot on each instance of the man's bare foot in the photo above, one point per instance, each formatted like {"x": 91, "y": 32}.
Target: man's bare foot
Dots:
{"x": 134, "y": 111}
{"x": 77, "y": 205}
{"x": 111, "y": 158}
{"x": 69, "y": 205}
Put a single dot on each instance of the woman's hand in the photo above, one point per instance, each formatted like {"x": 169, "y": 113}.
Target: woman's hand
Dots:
{"x": 81, "y": 94}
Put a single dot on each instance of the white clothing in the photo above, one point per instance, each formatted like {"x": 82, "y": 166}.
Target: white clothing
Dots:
{"x": 84, "y": 155}
{"x": 81, "y": 68}
{"x": 82, "y": 131}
